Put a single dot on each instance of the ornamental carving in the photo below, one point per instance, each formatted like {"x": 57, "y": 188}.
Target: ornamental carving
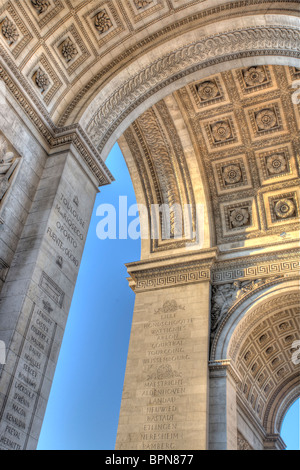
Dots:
{"x": 142, "y": 3}
{"x": 9, "y": 31}
{"x": 170, "y": 306}
{"x": 103, "y": 22}
{"x": 68, "y": 50}
{"x": 276, "y": 164}
{"x": 178, "y": 64}
{"x": 285, "y": 208}
{"x": 41, "y": 5}
{"x": 165, "y": 371}
{"x": 240, "y": 217}
{"x": 266, "y": 119}
{"x": 225, "y": 296}
{"x": 208, "y": 90}
{"x": 41, "y": 80}
{"x": 8, "y": 163}
{"x": 255, "y": 76}
{"x": 221, "y": 131}
{"x": 232, "y": 174}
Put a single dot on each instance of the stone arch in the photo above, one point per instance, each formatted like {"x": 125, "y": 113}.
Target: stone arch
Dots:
{"x": 250, "y": 309}
{"x": 257, "y": 340}
{"x": 70, "y": 115}
{"x": 254, "y": 40}
{"x": 291, "y": 396}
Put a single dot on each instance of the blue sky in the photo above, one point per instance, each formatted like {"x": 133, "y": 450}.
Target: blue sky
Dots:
{"x": 84, "y": 403}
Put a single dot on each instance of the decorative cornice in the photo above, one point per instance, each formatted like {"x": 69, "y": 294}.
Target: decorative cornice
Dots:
{"x": 256, "y": 41}
{"x": 226, "y": 366}
{"x": 257, "y": 266}
{"x": 171, "y": 271}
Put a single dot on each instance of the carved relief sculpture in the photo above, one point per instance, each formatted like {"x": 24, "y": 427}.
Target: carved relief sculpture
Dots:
{"x": 103, "y": 22}
{"x": 255, "y": 76}
{"x": 8, "y": 163}
{"x": 41, "y": 5}
{"x": 142, "y": 3}
{"x": 225, "y": 296}
{"x": 68, "y": 50}
{"x": 9, "y": 31}
{"x": 41, "y": 80}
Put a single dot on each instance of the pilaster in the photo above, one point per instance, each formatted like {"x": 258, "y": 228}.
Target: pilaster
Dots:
{"x": 222, "y": 406}
{"x": 165, "y": 396}
{"x": 37, "y": 294}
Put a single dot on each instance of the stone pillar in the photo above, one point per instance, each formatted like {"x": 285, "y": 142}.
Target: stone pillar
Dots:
{"x": 37, "y": 294}
{"x": 222, "y": 406}
{"x": 165, "y": 396}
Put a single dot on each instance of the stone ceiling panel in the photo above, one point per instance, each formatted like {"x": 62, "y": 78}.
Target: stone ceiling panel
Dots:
{"x": 247, "y": 147}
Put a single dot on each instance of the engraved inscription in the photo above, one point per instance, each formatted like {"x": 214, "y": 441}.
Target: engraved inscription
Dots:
{"x": 68, "y": 234}
{"x": 165, "y": 385}
{"x": 25, "y": 386}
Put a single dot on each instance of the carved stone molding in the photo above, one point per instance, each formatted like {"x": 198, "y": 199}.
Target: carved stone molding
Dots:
{"x": 227, "y": 297}
{"x": 226, "y": 366}
{"x": 171, "y": 271}
{"x": 242, "y": 443}
{"x": 259, "y": 40}
{"x": 257, "y": 267}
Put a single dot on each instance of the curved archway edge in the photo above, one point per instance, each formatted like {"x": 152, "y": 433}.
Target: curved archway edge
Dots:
{"x": 258, "y": 40}
{"x": 52, "y": 175}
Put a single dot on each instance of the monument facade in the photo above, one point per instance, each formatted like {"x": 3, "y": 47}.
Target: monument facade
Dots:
{"x": 203, "y": 98}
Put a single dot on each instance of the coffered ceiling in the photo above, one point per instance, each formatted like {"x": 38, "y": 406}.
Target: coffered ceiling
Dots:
{"x": 63, "y": 52}
{"x": 244, "y": 134}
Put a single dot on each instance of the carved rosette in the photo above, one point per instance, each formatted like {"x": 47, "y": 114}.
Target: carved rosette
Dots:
{"x": 221, "y": 131}
{"x": 68, "y": 50}
{"x": 276, "y": 164}
{"x": 41, "y": 5}
{"x": 285, "y": 208}
{"x": 142, "y": 3}
{"x": 208, "y": 90}
{"x": 9, "y": 31}
{"x": 255, "y": 76}
{"x": 266, "y": 119}
{"x": 239, "y": 217}
{"x": 232, "y": 174}
{"x": 103, "y": 22}
{"x": 42, "y": 80}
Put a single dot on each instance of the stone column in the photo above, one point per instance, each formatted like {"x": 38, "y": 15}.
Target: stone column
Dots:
{"x": 222, "y": 406}
{"x": 165, "y": 396}
{"x": 37, "y": 294}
